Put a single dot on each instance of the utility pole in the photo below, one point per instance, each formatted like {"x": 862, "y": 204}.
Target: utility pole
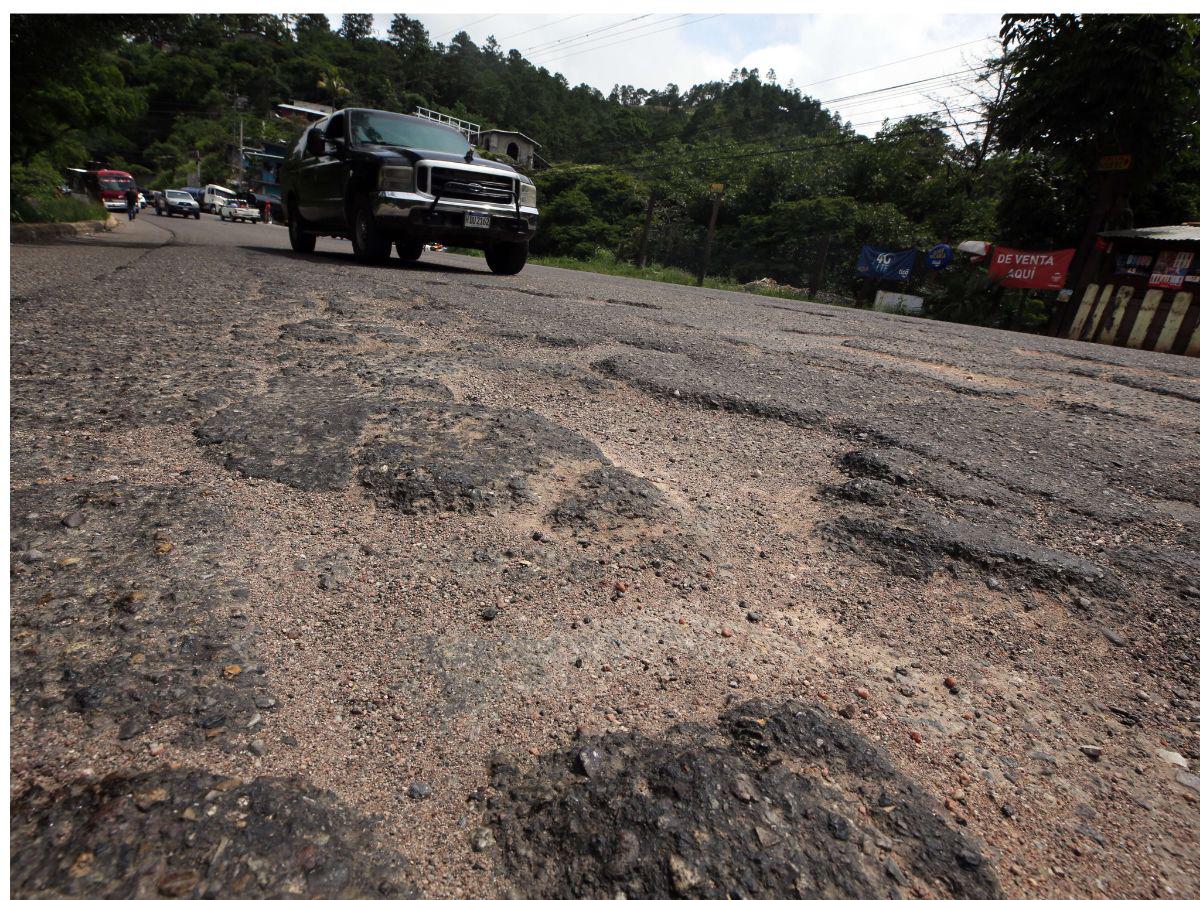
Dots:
{"x": 646, "y": 231}
{"x": 718, "y": 193}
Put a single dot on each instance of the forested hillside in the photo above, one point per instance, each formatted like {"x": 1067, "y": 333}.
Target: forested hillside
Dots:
{"x": 152, "y": 94}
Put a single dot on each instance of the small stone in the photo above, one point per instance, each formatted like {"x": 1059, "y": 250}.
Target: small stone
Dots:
{"x": 683, "y": 876}
{"x": 264, "y": 702}
{"x": 419, "y": 790}
{"x": 481, "y": 839}
{"x": 152, "y": 797}
{"x": 993, "y": 584}
{"x": 489, "y": 613}
{"x": 1170, "y": 756}
{"x": 753, "y": 617}
{"x": 916, "y": 736}
{"x": 726, "y": 632}
{"x": 862, "y": 693}
{"x": 32, "y": 556}
{"x": 1091, "y": 751}
{"x": 950, "y": 681}
{"x": 74, "y": 519}
{"x": 1187, "y": 779}
{"x": 588, "y": 761}
{"x": 1117, "y": 640}
{"x": 178, "y": 884}
{"x": 232, "y": 671}
{"x": 847, "y": 711}
{"x": 326, "y": 581}
{"x": 257, "y": 747}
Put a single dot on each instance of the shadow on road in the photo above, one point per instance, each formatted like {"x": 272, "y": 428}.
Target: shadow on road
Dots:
{"x": 333, "y": 256}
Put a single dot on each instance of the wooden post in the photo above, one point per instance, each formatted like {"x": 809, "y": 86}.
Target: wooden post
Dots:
{"x": 712, "y": 226}
{"x": 646, "y": 231}
{"x": 818, "y": 276}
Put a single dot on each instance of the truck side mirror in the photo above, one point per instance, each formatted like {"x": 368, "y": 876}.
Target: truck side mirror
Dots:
{"x": 314, "y": 144}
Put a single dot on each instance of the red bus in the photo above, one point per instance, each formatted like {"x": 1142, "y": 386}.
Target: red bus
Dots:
{"x": 109, "y": 186}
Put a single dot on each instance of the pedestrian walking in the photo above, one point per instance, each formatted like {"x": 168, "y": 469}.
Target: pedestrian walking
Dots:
{"x": 131, "y": 202}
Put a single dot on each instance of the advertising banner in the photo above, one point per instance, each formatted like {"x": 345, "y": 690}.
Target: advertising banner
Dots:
{"x": 1040, "y": 269}
{"x": 1170, "y": 269}
{"x": 939, "y": 257}
{"x": 892, "y": 266}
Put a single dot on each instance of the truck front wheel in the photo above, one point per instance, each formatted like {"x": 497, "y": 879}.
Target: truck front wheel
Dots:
{"x": 506, "y": 259}
{"x": 370, "y": 244}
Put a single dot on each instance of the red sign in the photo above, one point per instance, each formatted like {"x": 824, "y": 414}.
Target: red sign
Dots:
{"x": 1046, "y": 270}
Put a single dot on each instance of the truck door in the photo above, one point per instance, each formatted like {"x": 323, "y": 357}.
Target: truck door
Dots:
{"x": 328, "y": 174}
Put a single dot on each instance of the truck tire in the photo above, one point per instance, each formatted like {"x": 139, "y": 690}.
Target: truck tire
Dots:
{"x": 197, "y": 214}
{"x": 409, "y": 249}
{"x": 506, "y": 259}
{"x": 302, "y": 241}
{"x": 370, "y": 243}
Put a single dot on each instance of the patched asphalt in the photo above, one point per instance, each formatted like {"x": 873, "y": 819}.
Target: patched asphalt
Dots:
{"x": 345, "y": 580}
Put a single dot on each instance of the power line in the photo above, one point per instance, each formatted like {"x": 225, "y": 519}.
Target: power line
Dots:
{"x": 895, "y": 62}
{"x": 584, "y": 34}
{"x": 638, "y": 37}
{"x": 540, "y": 27}
{"x": 902, "y": 84}
{"x": 464, "y": 27}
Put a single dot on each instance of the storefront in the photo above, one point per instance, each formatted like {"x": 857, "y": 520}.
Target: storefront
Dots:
{"x": 1147, "y": 293}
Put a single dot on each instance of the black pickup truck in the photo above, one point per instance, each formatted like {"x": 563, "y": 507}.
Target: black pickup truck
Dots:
{"x": 380, "y": 178}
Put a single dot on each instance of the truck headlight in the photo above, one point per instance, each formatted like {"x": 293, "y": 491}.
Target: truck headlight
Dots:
{"x": 528, "y": 195}
{"x": 396, "y": 178}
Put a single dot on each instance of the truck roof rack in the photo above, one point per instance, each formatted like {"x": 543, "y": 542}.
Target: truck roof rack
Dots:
{"x": 470, "y": 129}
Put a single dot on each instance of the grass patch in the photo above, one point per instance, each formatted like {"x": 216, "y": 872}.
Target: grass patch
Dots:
{"x": 57, "y": 209}
{"x": 605, "y": 266}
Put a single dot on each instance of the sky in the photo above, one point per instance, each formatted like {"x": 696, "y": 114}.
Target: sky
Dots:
{"x": 822, "y": 54}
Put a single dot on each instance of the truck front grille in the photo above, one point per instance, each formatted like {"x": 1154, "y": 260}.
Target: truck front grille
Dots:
{"x": 457, "y": 184}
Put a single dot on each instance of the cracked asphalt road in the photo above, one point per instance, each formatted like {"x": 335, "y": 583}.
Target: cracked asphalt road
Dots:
{"x": 340, "y": 580}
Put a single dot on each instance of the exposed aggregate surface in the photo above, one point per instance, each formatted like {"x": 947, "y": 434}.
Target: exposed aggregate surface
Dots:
{"x": 337, "y": 580}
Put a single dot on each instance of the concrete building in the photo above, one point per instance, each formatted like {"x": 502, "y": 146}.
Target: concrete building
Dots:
{"x": 1147, "y": 292}
{"x": 511, "y": 143}
{"x": 304, "y": 110}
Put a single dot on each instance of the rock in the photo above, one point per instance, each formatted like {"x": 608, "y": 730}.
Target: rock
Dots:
{"x": 264, "y": 702}
{"x": 489, "y": 613}
{"x": 1187, "y": 779}
{"x": 993, "y": 584}
{"x": 74, "y": 519}
{"x": 32, "y": 556}
{"x": 1117, "y": 640}
{"x": 1170, "y": 756}
{"x": 847, "y": 711}
{"x": 327, "y": 581}
{"x": 257, "y": 747}
{"x": 481, "y": 839}
{"x": 1091, "y": 751}
{"x": 683, "y": 876}
{"x": 178, "y": 884}
{"x": 419, "y": 790}
{"x": 588, "y": 761}
{"x": 950, "y": 681}
{"x": 862, "y": 693}
{"x": 753, "y": 617}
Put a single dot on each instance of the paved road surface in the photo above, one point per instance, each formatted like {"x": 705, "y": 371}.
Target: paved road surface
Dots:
{"x": 350, "y": 580}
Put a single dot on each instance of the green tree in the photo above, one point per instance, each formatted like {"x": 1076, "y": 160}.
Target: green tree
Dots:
{"x": 357, "y": 26}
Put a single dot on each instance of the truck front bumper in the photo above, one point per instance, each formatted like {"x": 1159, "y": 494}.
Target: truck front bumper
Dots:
{"x": 417, "y": 214}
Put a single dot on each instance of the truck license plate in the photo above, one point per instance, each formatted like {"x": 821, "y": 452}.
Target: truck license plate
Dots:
{"x": 477, "y": 220}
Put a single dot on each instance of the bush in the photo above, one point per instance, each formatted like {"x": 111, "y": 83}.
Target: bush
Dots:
{"x": 57, "y": 209}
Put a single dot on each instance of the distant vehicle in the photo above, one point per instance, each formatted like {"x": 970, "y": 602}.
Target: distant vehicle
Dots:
{"x": 109, "y": 187}
{"x": 197, "y": 195}
{"x": 261, "y": 202}
{"x": 215, "y": 197}
{"x": 176, "y": 202}
{"x": 380, "y": 178}
{"x": 141, "y": 200}
{"x": 239, "y": 211}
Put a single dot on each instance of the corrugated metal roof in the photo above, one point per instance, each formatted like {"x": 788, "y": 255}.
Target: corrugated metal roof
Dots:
{"x": 1158, "y": 233}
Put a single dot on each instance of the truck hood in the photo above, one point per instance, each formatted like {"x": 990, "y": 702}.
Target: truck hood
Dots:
{"x": 414, "y": 156}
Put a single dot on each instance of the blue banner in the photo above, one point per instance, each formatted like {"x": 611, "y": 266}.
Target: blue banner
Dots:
{"x": 939, "y": 257}
{"x": 892, "y": 266}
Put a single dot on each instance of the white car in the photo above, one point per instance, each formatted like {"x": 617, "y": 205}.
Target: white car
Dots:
{"x": 239, "y": 211}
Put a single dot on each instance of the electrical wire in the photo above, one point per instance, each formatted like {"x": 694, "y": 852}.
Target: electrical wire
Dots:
{"x": 584, "y": 34}
{"x": 638, "y": 37}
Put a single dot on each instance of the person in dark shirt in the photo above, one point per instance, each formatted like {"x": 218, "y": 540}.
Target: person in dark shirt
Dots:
{"x": 131, "y": 202}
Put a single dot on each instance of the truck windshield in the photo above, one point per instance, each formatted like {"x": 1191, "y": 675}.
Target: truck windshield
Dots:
{"x": 394, "y": 130}
{"x": 116, "y": 183}
{"x": 178, "y": 195}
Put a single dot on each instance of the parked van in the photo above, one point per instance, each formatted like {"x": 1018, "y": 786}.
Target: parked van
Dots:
{"x": 215, "y": 197}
